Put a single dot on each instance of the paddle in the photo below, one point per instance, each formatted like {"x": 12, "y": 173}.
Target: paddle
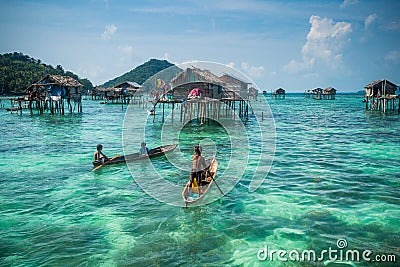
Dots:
{"x": 217, "y": 185}
{"x": 105, "y": 163}
{"x": 208, "y": 171}
{"x": 220, "y": 188}
{"x": 212, "y": 177}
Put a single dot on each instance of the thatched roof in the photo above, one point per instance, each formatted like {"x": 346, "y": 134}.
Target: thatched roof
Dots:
{"x": 380, "y": 87}
{"x": 330, "y": 90}
{"x": 201, "y": 76}
{"x": 232, "y": 78}
{"x": 65, "y": 81}
{"x": 378, "y": 82}
{"x": 129, "y": 85}
{"x": 317, "y": 90}
{"x": 208, "y": 76}
{"x": 279, "y": 91}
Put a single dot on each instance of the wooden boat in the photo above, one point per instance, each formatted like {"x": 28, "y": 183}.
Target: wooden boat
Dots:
{"x": 190, "y": 196}
{"x": 13, "y": 109}
{"x": 153, "y": 153}
{"x": 151, "y": 112}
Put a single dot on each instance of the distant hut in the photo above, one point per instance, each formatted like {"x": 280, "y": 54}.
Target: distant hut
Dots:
{"x": 329, "y": 93}
{"x": 323, "y": 94}
{"x": 53, "y": 91}
{"x": 127, "y": 90}
{"x": 96, "y": 93}
{"x": 107, "y": 93}
{"x": 381, "y": 95}
{"x": 307, "y": 93}
{"x": 317, "y": 93}
{"x": 128, "y": 87}
{"x": 121, "y": 93}
{"x": 279, "y": 93}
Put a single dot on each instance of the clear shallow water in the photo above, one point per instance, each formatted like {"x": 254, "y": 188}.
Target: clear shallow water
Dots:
{"x": 336, "y": 174}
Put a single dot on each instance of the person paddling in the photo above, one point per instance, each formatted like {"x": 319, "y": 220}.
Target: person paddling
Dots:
{"x": 196, "y": 175}
{"x": 99, "y": 155}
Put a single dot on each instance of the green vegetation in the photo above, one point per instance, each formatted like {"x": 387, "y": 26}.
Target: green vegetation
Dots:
{"x": 18, "y": 71}
{"x": 143, "y": 72}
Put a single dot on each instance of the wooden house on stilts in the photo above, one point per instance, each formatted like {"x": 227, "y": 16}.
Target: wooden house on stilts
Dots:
{"x": 317, "y": 93}
{"x": 97, "y": 93}
{"x": 323, "y": 94}
{"x": 121, "y": 93}
{"x": 279, "y": 93}
{"x": 329, "y": 93}
{"x": 203, "y": 95}
{"x": 381, "y": 95}
{"x": 55, "y": 93}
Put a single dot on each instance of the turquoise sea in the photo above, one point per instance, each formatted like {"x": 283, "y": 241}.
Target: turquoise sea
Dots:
{"x": 334, "y": 184}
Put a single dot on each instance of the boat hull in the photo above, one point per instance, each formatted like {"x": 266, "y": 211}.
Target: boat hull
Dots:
{"x": 153, "y": 153}
{"x": 187, "y": 194}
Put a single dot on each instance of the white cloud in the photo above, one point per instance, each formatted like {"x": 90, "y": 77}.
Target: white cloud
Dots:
{"x": 109, "y": 31}
{"x": 253, "y": 71}
{"x": 347, "y": 3}
{"x": 126, "y": 49}
{"x": 295, "y": 66}
{"x": 90, "y": 71}
{"x": 325, "y": 42}
{"x": 369, "y": 20}
{"x": 231, "y": 64}
{"x": 392, "y": 26}
{"x": 166, "y": 56}
{"x": 393, "y": 56}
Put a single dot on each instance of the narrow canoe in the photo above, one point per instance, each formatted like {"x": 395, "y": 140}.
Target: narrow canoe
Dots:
{"x": 153, "y": 153}
{"x": 13, "y": 109}
{"x": 187, "y": 194}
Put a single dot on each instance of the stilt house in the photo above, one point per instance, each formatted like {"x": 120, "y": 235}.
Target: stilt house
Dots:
{"x": 279, "y": 93}
{"x": 329, "y": 93}
{"x": 54, "y": 92}
{"x": 381, "y": 95}
{"x": 200, "y": 94}
{"x": 323, "y": 94}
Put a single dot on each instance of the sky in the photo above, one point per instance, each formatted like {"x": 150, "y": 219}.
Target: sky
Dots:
{"x": 296, "y": 45}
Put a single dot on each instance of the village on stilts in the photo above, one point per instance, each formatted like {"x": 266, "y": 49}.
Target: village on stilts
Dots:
{"x": 197, "y": 94}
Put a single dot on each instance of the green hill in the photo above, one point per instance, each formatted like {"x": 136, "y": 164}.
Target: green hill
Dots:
{"x": 18, "y": 71}
{"x": 143, "y": 72}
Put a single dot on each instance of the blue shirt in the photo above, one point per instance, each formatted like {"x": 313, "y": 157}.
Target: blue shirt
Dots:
{"x": 143, "y": 151}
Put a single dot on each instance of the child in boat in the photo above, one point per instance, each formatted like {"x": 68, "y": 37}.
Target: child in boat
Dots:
{"x": 143, "y": 149}
{"x": 198, "y": 167}
{"x": 99, "y": 156}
